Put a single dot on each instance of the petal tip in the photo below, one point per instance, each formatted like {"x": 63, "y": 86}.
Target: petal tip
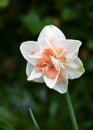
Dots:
{"x": 81, "y": 69}
{"x": 28, "y": 78}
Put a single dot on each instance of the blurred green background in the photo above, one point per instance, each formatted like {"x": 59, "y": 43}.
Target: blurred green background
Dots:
{"x": 22, "y": 20}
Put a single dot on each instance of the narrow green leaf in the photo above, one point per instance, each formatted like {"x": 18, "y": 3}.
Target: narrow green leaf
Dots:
{"x": 34, "y": 120}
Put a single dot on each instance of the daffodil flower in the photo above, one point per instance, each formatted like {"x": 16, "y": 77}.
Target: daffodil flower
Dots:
{"x": 52, "y": 59}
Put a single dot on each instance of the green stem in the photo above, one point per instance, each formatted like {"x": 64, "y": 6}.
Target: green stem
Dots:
{"x": 71, "y": 112}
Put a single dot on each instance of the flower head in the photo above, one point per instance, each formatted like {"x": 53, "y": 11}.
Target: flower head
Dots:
{"x": 52, "y": 59}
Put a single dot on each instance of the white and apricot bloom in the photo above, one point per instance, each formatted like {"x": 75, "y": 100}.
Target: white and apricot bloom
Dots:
{"x": 52, "y": 59}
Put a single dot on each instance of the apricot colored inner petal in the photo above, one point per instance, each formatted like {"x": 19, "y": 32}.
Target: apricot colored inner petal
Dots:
{"x": 50, "y": 72}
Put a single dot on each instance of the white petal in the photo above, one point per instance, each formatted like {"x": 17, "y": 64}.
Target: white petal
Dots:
{"x": 63, "y": 85}
{"x": 27, "y": 48}
{"x": 51, "y": 82}
{"x": 29, "y": 69}
{"x": 72, "y": 46}
{"x": 34, "y": 74}
{"x": 34, "y": 58}
{"x": 44, "y": 43}
{"x": 39, "y": 80}
{"x": 75, "y": 68}
{"x": 51, "y": 32}
{"x": 55, "y": 62}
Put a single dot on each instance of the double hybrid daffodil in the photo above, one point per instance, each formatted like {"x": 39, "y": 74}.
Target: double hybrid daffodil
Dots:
{"x": 52, "y": 59}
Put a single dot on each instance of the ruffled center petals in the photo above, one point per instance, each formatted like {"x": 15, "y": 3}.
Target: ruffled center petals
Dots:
{"x": 60, "y": 77}
{"x": 50, "y": 72}
{"x": 61, "y": 53}
{"x": 46, "y": 65}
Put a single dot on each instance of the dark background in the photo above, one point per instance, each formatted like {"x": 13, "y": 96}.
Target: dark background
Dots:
{"x": 22, "y": 20}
